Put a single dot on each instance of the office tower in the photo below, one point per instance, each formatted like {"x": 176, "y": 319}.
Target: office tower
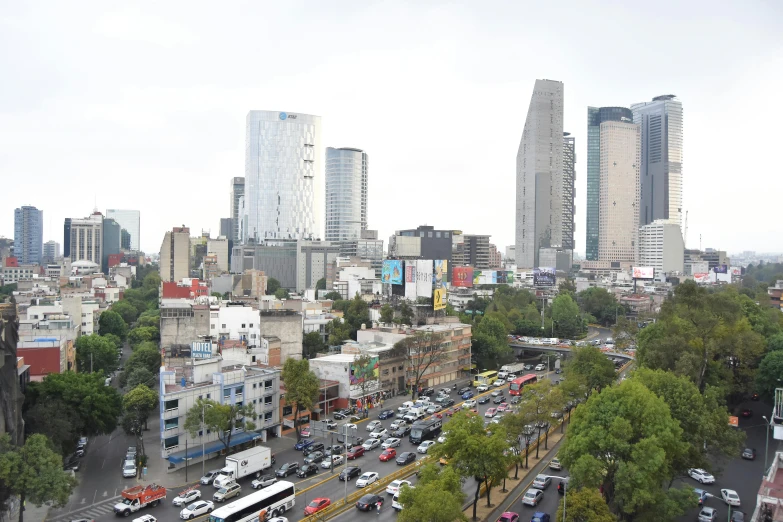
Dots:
{"x": 618, "y": 229}
{"x": 476, "y": 251}
{"x": 661, "y": 247}
{"x": 237, "y": 193}
{"x": 226, "y": 228}
{"x": 125, "y": 240}
{"x": 28, "y": 235}
{"x": 112, "y": 242}
{"x": 67, "y": 238}
{"x": 175, "y": 255}
{"x": 346, "y": 197}
{"x": 569, "y": 191}
{"x": 539, "y": 198}
{"x": 87, "y": 239}
{"x": 283, "y": 176}
{"x": 51, "y": 251}
{"x": 661, "y": 164}
{"x": 595, "y": 117}
{"x": 130, "y": 220}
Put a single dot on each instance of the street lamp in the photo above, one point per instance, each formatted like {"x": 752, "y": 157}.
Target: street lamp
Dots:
{"x": 204, "y": 406}
{"x": 767, "y": 426}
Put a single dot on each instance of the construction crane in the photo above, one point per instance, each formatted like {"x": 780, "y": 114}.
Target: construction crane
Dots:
{"x": 685, "y": 232}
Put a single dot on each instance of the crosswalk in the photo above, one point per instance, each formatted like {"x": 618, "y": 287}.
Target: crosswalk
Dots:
{"x": 92, "y": 511}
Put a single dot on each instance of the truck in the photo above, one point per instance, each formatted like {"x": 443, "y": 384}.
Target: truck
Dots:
{"x": 248, "y": 462}
{"x": 137, "y": 497}
{"x": 511, "y": 369}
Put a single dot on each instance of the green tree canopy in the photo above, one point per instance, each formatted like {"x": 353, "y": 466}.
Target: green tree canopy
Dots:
{"x": 282, "y": 293}
{"x": 149, "y": 318}
{"x": 220, "y": 418}
{"x": 589, "y": 364}
{"x": 111, "y": 322}
{"x": 490, "y": 342}
{"x": 333, "y": 296}
{"x": 312, "y": 344}
{"x": 96, "y": 353}
{"x": 437, "y": 497}
{"x": 146, "y": 356}
{"x": 406, "y": 314}
{"x": 775, "y": 343}
{"x": 137, "y": 405}
{"x": 272, "y": 285}
{"x": 56, "y": 420}
{"x": 585, "y": 505}
{"x": 387, "y": 314}
{"x": 599, "y": 303}
{"x": 565, "y": 314}
{"x": 301, "y": 387}
{"x": 769, "y": 374}
{"x": 421, "y": 351}
{"x": 143, "y": 334}
{"x": 126, "y": 310}
{"x": 139, "y": 375}
{"x": 116, "y": 341}
{"x": 338, "y": 331}
{"x": 320, "y": 284}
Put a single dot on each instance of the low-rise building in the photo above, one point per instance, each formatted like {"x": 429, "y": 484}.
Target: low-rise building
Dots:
{"x": 46, "y": 355}
{"x": 187, "y": 288}
{"x": 661, "y": 246}
{"x": 776, "y": 295}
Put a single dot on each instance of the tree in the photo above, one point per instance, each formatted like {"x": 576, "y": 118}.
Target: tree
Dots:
{"x": 111, "y": 322}
{"x": 282, "y": 293}
{"x": 320, "y": 284}
{"x": 775, "y": 343}
{"x": 333, "y": 296}
{"x": 220, "y": 418}
{"x": 338, "y": 331}
{"x": 537, "y": 402}
{"x": 364, "y": 373}
{"x": 437, "y": 497}
{"x": 565, "y": 314}
{"x": 139, "y": 375}
{"x": 217, "y": 295}
{"x": 272, "y": 285}
{"x": 312, "y": 344}
{"x": 357, "y": 314}
{"x": 116, "y": 341}
{"x": 149, "y": 318}
{"x": 421, "y": 350}
{"x": 769, "y": 375}
{"x": 301, "y": 387}
{"x": 146, "y": 356}
{"x": 126, "y": 310}
{"x": 57, "y": 421}
{"x": 387, "y": 314}
{"x": 406, "y": 314}
{"x": 95, "y": 354}
{"x": 473, "y": 453}
{"x": 490, "y": 342}
{"x": 589, "y": 364}
{"x": 34, "y": 472}
{"x": 625, "y": 441}
{"x": 143, "y": 334}
{"x": 568, "y": 286}
{"x": 599, "y": 303}
{"x": 585, "y": 505}
{"x": 137, "y": 405}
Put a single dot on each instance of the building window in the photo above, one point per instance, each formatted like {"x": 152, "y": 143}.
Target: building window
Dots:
{"x": 171, "y": 424}
{"x": 212, "y": 326}
{"x": 254, "y": 385}
{"x": 171, "y": 442}
{"x": 171, "y": 404}
{"x": 268, "y": 385}
{"x": 209, "y": 395}
{"x": 268, "y": 399}
{"x": 223, "y": 325}
{"x": 288, "y": 410}
{"x": 251, "y": 325}
{"x": 240, "y": 390}
{"x": 268, "y": 416}
{"x": 243, "y": 325}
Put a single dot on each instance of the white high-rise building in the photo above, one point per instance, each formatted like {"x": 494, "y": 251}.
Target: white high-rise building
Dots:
{"x": 130, "y": 221}
{"x": 540, "y": 187}
{"x": 661, "y": 246}
{"x": 283, "y": 176}
{"x": 661, "y": 163}
{"x": 346, "y": 197}
{"x": 87, "y": 239}
{"x": 618, "y": 197}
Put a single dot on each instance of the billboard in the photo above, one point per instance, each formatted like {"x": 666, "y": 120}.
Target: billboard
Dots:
{"x": 544, "y": 276}
{"x": 643, "y": 272}
{"x": 441, "y": 276}
{"x": 493, "y": 277}
{"x": 391, "y": 272}
{"x": 410, "y": 280}
{"x": 201, "y": 350}
{"x": 721, "y": 269}
{"x": 439, "y": 298}
{"x": 736, "y": 271}
{"x": 702, "y": 278}
{"x": 359, "y": 373}
{"x": 462, "y": 276}
{"x": 424, "y": 278}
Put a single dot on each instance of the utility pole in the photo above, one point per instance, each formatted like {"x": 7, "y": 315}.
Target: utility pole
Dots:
{"x": 90, "y": 362}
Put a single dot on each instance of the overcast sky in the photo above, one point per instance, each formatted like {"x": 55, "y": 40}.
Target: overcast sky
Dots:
{"x": 142, "y": 105}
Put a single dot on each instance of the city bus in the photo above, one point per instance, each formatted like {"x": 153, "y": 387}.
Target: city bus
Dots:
{"x": 270, "y": 502}
{"x": 487, "y": 378}
{"x": 516, "y": 385}
{"x": 425, "y": 430}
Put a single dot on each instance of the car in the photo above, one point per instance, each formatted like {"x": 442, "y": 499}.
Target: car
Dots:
{"x": 366, "y": 479}
{"x": 490, "y": 412}
{"x": 562, "y": 485}
{"x": 399, "y": 423}
{"x": 273, "y": 519}
{"x": 73, "y": 464}
{"x": 263, "y": 481}
{"x": 540, "y": 516}
{"x": 448, "y": 402}
{"x": 467, "y": 395}
{"x": 129, "y": 469}
{"x": 371, "y": 444}
{"x": 737, "y": 516}
{"x": 701, "y": 476}
{"x": 469, "y": 404}
{"x": 556, "y": 415}
{"x": 395, "y": 486}
{"x": 341, "y": 414}
{"x": 424, "y": 446}
{"x": 462, "y": 390}
{"x": 499, "y": 383}
{"x": 186, "y": 497}
{"x": 450, "y": 412}
{"x": 401, "y": 413}
{"x": 350, "y": 472}
{"x": 330, "y": 424}
{"x": 701, "y": 495}
{"x": 749, "y": 454}
{"x": 333, "y": 461}
{"x": 287, "y": 469}
{"x": 355, "y": 418}
{"x": 708, "y": 514}
{"x": 496, "y": 393}
{"x": 303, "y": 444}
{"x": 386, "y": 414}
{"x": 230, "y": 490}
{"x": 483, "y": 399}
{"x": 373, "y": 424}
{"x": 387, "y": 455}
{"x": 315, "y": 457}
{"x": 307, "y": 470}
{"x": 369, "y": 502}
{"x": 540, "y": 367}
{"x": 730, "y": 497}
{"x": 312, "y": 448}
{"x": 509, "y": 516}
{"x": 557, "y": 371}
{"x": 555, "y": 464}
{"x": 482, "y": 388}
{"x": 435, "y": 408}
{"x": 442, "y": 439}
{"x": 515, "y": 399}
{"x": 532, "y": 497}
{"x": 337, "y": 449}
{"x": 503, "y": 406}
{"x": 130, "y": 451}
{"x": 402, "y": 432}
{"x": 316, "y": 505}
{"x": 498, "y": 400}
{"x": 391, "y": 442}
{"x": 202, "y": 507}
{"x": 355, "y": 452}
{"x": 380, "y": 433}
{"x": 754, "y": 397}
{"x": 305, "y": 432}
{"x": 406, "y": 458}
{"x": 528, "y": 367}
{"x": 209, "y": 476}
{"x": 427, "y": 392}
{"x": 747, "y": 413}
{"x": 542, "y": 482}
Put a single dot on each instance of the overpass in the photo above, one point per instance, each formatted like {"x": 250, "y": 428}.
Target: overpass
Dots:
{"x": 562, "y": 350}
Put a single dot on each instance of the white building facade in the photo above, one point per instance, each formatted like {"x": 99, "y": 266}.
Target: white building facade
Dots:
{"x": 87, "y": 239}
{"x": 130, "y": 221}
{"x": 346, "y": 197}
{"x": 661, "y": 246}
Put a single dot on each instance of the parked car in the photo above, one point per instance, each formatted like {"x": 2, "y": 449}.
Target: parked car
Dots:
{"x": 406, "y": 458}
{"x": 532, "y": 497}
{"x": 186, "y": 497}
{"x": 386, "y": 414}
{"x": 305, "y": 432}
{"x": 708, "y": 514}
{"x": 700, "y": 475}
{"x": 307, "y": 470}
{"x": 350, "y": 472}
{"x": 287, "y": 469}
{"x": 555, "y": 464}
{"x": 230, "y": 490}
{"x": 366, "y": 479}
{"x": 317, "y": 505}
{"x": 130, "y": 451}
{"x": 263, "y": 481}
{"x": 387, "y": 455}
{"x": 368, "y": 502}
{"x": 542, "y": 482}
{"x": 196, "y": 509}
{"x": 424, "y": 446}
{"x": 129, "y": 469}
{"x": 373, "y": 424}
{"x": 395, "y": 485}
{"x": 355, "y": 452}
{"x": 749, "y": 453}
{"x": 730, "y": 497}
{"x": 509, "y": 516}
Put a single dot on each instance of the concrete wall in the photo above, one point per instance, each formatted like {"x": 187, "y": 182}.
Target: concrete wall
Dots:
{"x": 183, "y": 329}
{"x": 288, "y": 327}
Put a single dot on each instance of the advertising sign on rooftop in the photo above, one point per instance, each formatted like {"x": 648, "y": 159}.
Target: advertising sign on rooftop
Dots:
{"x": 391, "y": 272}
{"x": 424, "y": 278}
{"x": 201, "y": 350}
{"x": 643, "y": 272}
{"x": 462, "y": 276}
{"x": 721, "y": 269}
{"x": 544, "y": 276}
{"x": 410, "y": 280}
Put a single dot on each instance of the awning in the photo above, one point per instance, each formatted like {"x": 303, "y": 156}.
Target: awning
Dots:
{"x": 213, "y": 447}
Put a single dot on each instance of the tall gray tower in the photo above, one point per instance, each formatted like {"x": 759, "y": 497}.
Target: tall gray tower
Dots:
{"x": 346, "y": 197}
{"x": 539, "y": 206}
{"x": 237, "y": 193}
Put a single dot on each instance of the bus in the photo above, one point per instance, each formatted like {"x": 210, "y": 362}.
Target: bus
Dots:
{"x": 487, "y": 378}
{"x": 425, "y": 430}
{"x": 515, "y": 386}
{"x": 270, "y": 502}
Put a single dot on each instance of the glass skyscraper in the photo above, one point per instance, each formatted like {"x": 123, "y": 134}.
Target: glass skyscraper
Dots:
{"x": 129, "y": 220}
{"x": 346, "y": 197}
{"x": 28, "y": 235}
{"x": 283, "y": 176}
{"x": 237, "y": 193}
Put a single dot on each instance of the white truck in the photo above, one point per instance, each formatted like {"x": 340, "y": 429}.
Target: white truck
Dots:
{"x": 248, "y": 462}
{"x": 511, "y": 369}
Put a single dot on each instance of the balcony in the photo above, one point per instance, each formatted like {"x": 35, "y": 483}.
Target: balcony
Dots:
{"x": 170, "y": 414}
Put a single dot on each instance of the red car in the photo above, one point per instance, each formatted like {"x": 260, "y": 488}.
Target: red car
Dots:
{"x": 747, "y": 412}
{"x": 387, "y": 455}
{"x": 317, "y": 505}
{"x": 450, "y": 412}
{"x": 356, "y": 452}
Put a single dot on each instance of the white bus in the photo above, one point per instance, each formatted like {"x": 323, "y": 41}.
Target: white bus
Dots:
{"x": 273, "y": 501}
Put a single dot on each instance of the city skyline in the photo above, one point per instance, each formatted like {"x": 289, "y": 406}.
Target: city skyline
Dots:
{"x": 440, "y": 105}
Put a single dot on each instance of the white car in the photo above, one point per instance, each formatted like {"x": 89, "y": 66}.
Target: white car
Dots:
{"x": 371, "y": 444}
{"x": 435, "y": 408}
{"x": 278, "y": 519}
{"x": 129, "y": 469}
{"x": 373, "y": 424}
{"x": 424, "y": 446}
{"x": 196, "y": 509}
{"x": 532, "y": 497}
{"x": 540, "y": 367}
{"x": 187, "y": 497}
{"x": 209, "y": 477}
{"x": 394, "y": 486}
{"x": 499, "y": 383}
{"x": 482, "y": 388}
{"x": 470, "y": 403}
{"x": 702, "y": 476}
{"x": 399, "y": 423}
{"x": 391, "y": 442}
{"x": 380, "y": 432}
{"x": 366, "y": 479}
{"x": 730, "y": 497}
{"x": 442, "y": 439}
{"x": 337, "y": 460}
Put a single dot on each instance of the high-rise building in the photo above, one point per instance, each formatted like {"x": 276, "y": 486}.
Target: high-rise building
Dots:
{"x": 28, "y": 235}
{"x": 51, "y": 251}
{"x": 87, "y": 239}
{"x": 67, "y": 238}
{"x": 227, "y": 228}
{"x": 539, "y": 198}
{"x": 346, "y": 197}
{"x": 130, "y": 220}
{"x": 595, "y": 117}
{"x": 569, "y": 191}
{"x": 237, "y": 200}
{"x": 661, "y": 163}
{"x": 112, "y": 241}
{"x": 661, "y": 247}
{"x": 619, "y": 192}
{"x": 175, "y": 255}
{"x": 283, "y": 176}
{"x": 476, "y": 251}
